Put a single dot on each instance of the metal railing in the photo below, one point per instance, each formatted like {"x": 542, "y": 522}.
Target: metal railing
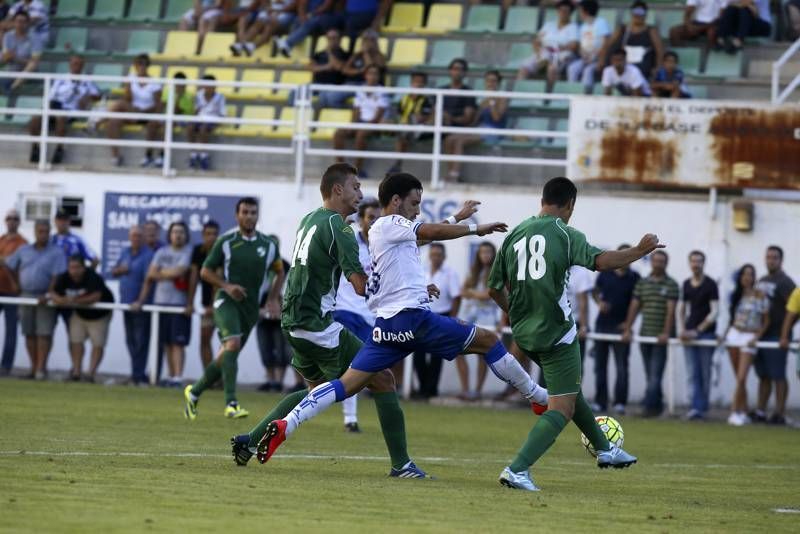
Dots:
{"x": 778, "y": 96}
{"x": 303, "y": 126}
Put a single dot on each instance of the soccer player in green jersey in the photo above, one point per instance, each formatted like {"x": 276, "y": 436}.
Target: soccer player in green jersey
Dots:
{"x": 529, "y": 281}
{"x": 245, "y": 257}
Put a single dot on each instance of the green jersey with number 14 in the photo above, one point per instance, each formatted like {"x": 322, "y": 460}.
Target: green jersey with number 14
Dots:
{"x": 325, "y": 248}
{"x": 533, "y": 264}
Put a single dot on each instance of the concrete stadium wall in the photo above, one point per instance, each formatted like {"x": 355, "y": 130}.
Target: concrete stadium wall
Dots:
{"x": 683, "y": 223}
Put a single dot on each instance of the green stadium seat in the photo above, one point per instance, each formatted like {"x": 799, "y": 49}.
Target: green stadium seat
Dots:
{"x": 444, "y": 51}
{"x": 527, "y": 123}
{"x": 72, "y": 9}
{"x": 519, "y": 53}
{"x": 108, "y": 69}
{"x": 443, "y": 18}
{"x": 71, "y": 40}
{"x": 143, "y": 42}
{"x": 722, "y": 65}
{"x": 27, "y": 102}
{"x": 176, "y": 9}
{"x": 565, "y": 88}
{"x": 562, "y": 125}
{"x": 667, "y": 19}
{"x": 144, "y": 10}
{"x": 405, "y": 17}
{"x": 528, "y": 86}
{"x": 522, "y": 20}
{"x": 689, "y": 60}
{"x": 108, "y": 10}
{"x": 482, "y": 19}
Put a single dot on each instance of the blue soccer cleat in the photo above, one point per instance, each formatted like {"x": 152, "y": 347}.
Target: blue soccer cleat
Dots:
{"x": 240, "y": 449}
{"x": 614, "y": 457}
{"x": 520, "y": 481}
{"x": 410, "y": 470}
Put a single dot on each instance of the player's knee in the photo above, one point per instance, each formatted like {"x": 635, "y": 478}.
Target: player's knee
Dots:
{"x": 233, "y": 344}
{"x": 382, "y": 382}
{"x": 484, "y": 340}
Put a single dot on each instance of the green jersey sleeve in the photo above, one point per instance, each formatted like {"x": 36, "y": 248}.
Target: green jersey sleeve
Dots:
{"x": 345, "y": 247}
{"x": 581, "y": 252}
{"x": 497, "y": 276}
{"x": 215, "y": 258}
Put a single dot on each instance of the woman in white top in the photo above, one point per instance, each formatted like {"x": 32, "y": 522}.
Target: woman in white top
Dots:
{"x": 554, "y": 46}
{"x": 141, "y": 96}
{"x": 749, "y": 319}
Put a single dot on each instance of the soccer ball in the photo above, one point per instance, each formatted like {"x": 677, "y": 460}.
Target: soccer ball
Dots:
{"x": 611, "y": 428}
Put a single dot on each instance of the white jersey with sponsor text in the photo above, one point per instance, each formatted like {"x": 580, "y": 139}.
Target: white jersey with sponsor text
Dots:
{"x": 398, "y": 279}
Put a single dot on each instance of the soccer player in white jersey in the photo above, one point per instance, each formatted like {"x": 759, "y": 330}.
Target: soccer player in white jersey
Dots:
{"x": 398, "y": 294}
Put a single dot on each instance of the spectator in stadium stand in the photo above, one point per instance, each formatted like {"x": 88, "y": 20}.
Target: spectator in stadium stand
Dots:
{"x": 272, "y": 343}
{"x": 265, "y": 21}
{"x": 595, "y": 40}
{"x": 624, "y": 77}
{"x": 39, "y": 18}
{"x": 412, "y": 109}
{"x": 359, "y": 15}
{"x": 200, "y": 10}
{"x": 445, "y": 278}
{"x": 183, "y": 100}
{"x": 21, "y": 51}
{"x": 770, "y": 364}
{"x": 82, "y": 286}
{"x": 793, "y": 20}
{"x": 65, "y": 94}
{"x": 613, "y": 293}
{"x": 225, "y": 14}
{"x": 327, "y": 67}
{"x": 199, "y": 253}
{"x": 641, "y": 41}
{"x": 314, "y": 17}
{"x": 554, "y": 46}
{"x": 36, "y": 267}
{"x": 699, "y": 20}
{"x": 151, "y": 231}
{"x": 70, "y": 243}
{"x": 478, "y": 308}
{"x": 131, "y": 270}
{"x": 9, "y": 243}
{"x": 368, "y": 108}
{"x": 209, "y": 103}
{"x": 458, "y": 110}
{"x": 169, "y": 271}
{"x": 742, "y": 19}
{"x": 668, "y": 81}
{"x": 141, "y": 95}
{"x": 697, "y": 320}
{"x": 370, "y": 54}
{"x": 656, "y": 297}
{"x": 792, "y": 313}
{"x": 749, "y": 318}
{"x": 492, "y": 113}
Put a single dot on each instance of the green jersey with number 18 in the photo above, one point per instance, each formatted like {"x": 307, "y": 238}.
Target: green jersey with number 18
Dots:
{"x": 533, "y": 264}
{"x": 325, "y": 248}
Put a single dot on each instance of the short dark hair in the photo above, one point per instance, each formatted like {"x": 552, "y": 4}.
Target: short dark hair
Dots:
{"x": 619, "y": 52}
{"x": 62, "y": 214}
{"x": 211, "y": 223}
{"x": 591, "y": 7}
{"x": 494, "y": 72}
{"x": 173, "y": 225}
{"x": 459, "y": 61}
{"x": 559, "y": 191}
{"x": 250, "y": 201}
{"x": 777, "y": 249}
{"x": 338, "y": 173}
{"x": 419, "y": 74}
{"x": 152, "y": 221}
{"x": 142, "y": 58}
{"x": 78, "y": 258}
{"x": 179, "y": 75}
{"x": 41, "y": 222}
{"x": 697, "y": 253}
{"x": 562, "y": 3}
{"x": 400, "y": 184}
{"x": 661, "y": 253}
{"x": 210, "y": 77}
{"x": 672, "y": 54}
{"x": 23, "y": 14}
{"x": 366, "y": 204}
{"x": 439, "y": 246}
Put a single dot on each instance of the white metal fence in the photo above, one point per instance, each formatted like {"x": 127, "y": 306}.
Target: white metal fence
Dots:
{"x": 779, "y": 96}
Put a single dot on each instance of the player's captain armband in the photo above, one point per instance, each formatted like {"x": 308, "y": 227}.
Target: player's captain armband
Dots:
{"x": 402, "y": 221}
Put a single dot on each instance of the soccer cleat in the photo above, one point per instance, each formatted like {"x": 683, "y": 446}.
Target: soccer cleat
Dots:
{"x": 410, "y": 470}
{"x": 538, "y": 409}
{"x": 352, "y": 428}
{"x": 521, "y": 481}
{"x": 234, "y": 411}
{"x": 240, "y": 449}
{"x": 614, "y": 457}
{"x": 190, "y": 408}
{"x": 273, "y": 437}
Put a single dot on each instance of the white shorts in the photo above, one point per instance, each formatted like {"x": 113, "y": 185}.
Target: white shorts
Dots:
{"x": 737, "y": 338}
{"x": 208, "y": 14}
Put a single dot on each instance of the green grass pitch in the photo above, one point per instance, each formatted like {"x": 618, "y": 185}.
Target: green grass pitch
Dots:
{"x": 124, "y": 459}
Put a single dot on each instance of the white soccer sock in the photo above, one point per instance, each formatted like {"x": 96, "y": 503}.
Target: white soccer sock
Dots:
{"x": 316, "y": 402}
{"x": 511, "y": 372}
{"x": 350, "y": 409}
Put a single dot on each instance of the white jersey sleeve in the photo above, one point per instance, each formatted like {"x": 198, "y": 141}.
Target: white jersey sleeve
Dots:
{"x": 399, "y": 229}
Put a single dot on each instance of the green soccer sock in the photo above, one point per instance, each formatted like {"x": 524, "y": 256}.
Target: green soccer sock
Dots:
{"x": 210, "y": 376}
{"x": 393, "y": 425}
{"x": 541, "y": 437}
{"x": 280, "y": 411}
{"x": 585, "y": 421}
{"x": 230, "y": 367}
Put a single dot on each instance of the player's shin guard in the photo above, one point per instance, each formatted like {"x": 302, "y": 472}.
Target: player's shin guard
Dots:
{"x": 350, "y": 409}
{"x": 540, "y": 438}
{"x": 586, "y": 423}
{"x": 393, "y": 426}
{"x": 280, "y": 411}
{"x": 317, "y": 401}
{"x": 210, "y": 376}
{"x": 230, "y": 368}
{"x": 507, "y": 368}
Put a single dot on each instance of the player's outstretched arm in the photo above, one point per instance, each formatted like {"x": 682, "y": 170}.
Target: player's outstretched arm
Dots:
{"x": 616, "y": 259}
{"x": 444, "y": 232}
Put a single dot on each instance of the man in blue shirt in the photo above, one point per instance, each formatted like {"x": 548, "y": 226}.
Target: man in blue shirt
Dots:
{"x": 131, "y": 270}
{"x": 36, "y": 267}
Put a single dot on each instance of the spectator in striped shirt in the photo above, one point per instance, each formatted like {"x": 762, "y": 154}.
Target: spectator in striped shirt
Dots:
{"x": 655, "y": 297}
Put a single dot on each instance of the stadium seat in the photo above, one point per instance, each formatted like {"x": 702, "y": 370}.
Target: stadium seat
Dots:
{"x": 522, "y": 20}
{"x": 286, "y": 131}
{"x": 482, "y": 19}
{"x": 71, "y": 40}
{"x": 443, "y": 18}
{"x": 562, "y": 125}
{"x": 519, "y": 53}
{"x": 216, "y": 47}
{"x": 722, "y": 65}
{"x": 689, "y": 60}
{"x": 108, "y": 11}
{"x": 255, "y": 112}
{"x": 72, "y": 9}
{"x": 566, "y": 88}
{"x": 299, "y": 77}
{"x": 405, "y": 18}
{"x": 108, "y": 69}
{"x": 445, "y": 51}
{"x": 223, "y": 74}
{"x": 176, "y": 9}
{"x": 526, "y": 123}
{"x": 178, "y": 46}
{"x": 144, "y": 10}
{"x": 62, "y": 67}
{"x": 667, "y": 19}
{"x": 528, "y": 86}
{"x": 255, "y": 75}
{"x": 330, "y": 115}
{"x": 25, "y": 102}
{"x": 408, "y": 52}
{"x": 300, "y": 55}
{"x": 143, "y": 42}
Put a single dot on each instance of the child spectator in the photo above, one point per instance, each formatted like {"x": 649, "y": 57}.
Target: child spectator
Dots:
{"x": 413, "y": 108}
{"x": 554, "y": 47}
{"x": 668, "y": 81}
{"x": 624, "y": 77}
{"x": 208, "y": 103}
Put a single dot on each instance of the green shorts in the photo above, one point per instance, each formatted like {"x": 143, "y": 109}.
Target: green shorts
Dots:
{"x": 316, "y": 363}
{"x": 561, "y": 366}
{"x": 233, "y": 321}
